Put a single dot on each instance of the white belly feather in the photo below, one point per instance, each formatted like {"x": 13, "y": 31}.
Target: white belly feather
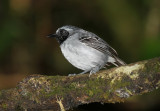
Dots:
{"x": 81, "y": 56}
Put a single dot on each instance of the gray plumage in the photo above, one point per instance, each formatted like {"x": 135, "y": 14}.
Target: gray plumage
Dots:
{"x": 85, "y": 50}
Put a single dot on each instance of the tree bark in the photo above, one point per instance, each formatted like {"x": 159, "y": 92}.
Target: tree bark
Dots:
{"x": 61, "y": 93}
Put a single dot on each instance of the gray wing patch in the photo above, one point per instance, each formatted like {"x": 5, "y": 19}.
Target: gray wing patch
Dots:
{"x": 98, "y": 44}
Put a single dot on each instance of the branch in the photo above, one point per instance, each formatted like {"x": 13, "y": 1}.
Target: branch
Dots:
{"x": 39, "y": 92}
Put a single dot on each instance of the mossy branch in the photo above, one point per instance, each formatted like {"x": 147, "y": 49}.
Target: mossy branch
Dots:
{"x": 62, "y": 92}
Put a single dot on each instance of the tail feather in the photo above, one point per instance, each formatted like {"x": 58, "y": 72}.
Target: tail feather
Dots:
{"x": 119, "y": 62}
{"x": 115, "y": 61}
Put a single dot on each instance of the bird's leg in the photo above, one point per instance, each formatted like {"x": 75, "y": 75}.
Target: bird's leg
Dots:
{"x": 71, "y": 74}
{"x": 94, "y": 70}
{"x": 79, "y": 73}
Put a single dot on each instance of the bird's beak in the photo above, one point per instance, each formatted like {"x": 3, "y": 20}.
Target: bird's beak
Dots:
{"x": 52, "y": 35}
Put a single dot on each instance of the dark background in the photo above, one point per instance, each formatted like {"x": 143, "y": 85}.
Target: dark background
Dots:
{"x": 131, "y": 27}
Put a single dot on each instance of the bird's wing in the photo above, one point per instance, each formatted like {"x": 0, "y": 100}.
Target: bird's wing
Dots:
{"x": 98, "y": 44}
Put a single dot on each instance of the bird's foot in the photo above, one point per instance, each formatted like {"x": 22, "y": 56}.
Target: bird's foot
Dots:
{"x": 79, "y": 73}
{"x": 94, "y": 70}
{"x": 71, "y": 74}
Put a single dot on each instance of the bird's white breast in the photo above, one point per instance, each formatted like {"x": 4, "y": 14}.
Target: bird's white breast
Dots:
{"x": 82, "y": 56}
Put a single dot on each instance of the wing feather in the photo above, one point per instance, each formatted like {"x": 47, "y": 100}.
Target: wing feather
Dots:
{"x": 98, "y": 44}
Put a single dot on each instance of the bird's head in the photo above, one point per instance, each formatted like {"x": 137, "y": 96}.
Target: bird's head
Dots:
{"x": 63, "y": 33}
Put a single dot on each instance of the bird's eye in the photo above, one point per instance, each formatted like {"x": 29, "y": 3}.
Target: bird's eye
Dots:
{"x": 64, "y": 33}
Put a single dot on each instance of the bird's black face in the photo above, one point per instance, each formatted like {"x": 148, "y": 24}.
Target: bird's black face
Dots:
{"x": 61, "y": 35}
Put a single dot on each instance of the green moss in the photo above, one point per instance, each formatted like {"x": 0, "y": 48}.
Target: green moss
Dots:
{"x": 106, "y": 95}
{"x": 55, "y": 79}
{"x": 4, "y": 106}
{"x": 121, "y": 83}
{"x": 153, "y": 64}
{"x": 73, "y": 85}
{"x": 55, "y": 88}
{"x": 42, "y": 92}
{"x": 28, "y": 94}
{"x": 91, "y": 93}
{"x": 157, "y": 67}
{"x": 91, "y": 87}
{"x": 59, "y": 89}
{"x": 33, "y": 97}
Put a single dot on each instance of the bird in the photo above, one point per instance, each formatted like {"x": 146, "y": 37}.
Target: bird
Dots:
{"x": 85, "y": 50}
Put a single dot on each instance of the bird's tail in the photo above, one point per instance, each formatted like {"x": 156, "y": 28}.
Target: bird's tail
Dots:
{"x": 118, "y": 62}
